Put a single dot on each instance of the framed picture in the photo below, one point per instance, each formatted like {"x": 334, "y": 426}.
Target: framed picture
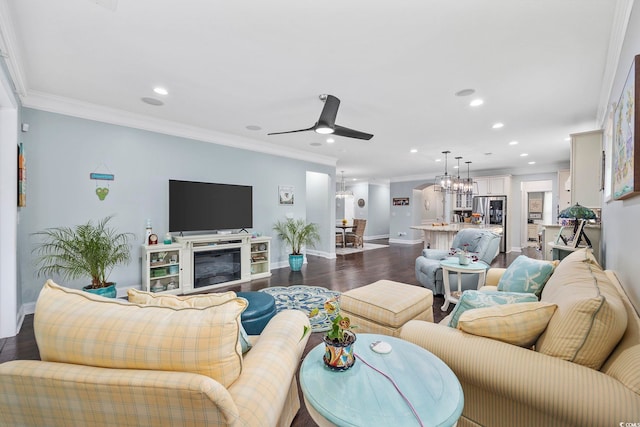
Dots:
{"x": 22, "y": 177}
{"x": 285, "y": 194}
{"x": 400, "y": 201}
{"x": 535, "y": 205}
{"x": 577, "y": 237}
{"x": 607, "y": 141}
{"x": 625, "y": 156}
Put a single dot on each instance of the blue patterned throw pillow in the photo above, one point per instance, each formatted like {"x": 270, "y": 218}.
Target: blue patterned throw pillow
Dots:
{"x": 480, "y": 299}
{"x": 526, "y": 275}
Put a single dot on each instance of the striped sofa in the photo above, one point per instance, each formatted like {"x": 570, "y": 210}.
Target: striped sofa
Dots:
{"x": 584, "y": 369}
{"x": 109, "y": 362}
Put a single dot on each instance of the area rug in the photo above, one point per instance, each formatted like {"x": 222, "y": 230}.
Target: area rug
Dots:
{"x": 352, "y": 250}
{"x": 305, "y": 298}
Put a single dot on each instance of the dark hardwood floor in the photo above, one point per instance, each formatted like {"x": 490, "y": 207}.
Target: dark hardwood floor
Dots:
{"x": 346, "y": 272}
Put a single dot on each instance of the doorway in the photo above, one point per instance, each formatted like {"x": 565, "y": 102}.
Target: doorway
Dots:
{"x": 536, "y": 210}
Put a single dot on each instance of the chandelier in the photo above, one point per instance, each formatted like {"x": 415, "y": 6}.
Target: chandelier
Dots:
{"x": 454, "y": 184}
{"x": 444, "y": 182}
{"x": 343, "y": 192}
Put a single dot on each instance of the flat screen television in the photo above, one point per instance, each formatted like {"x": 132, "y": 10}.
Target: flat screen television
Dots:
{"x": 203, "y": 206}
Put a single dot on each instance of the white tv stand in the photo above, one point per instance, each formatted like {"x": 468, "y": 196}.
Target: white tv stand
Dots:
{"x": 254, "y": 257}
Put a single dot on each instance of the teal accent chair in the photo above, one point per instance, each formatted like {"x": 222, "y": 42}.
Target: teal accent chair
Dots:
{"x": 483, "y": 243}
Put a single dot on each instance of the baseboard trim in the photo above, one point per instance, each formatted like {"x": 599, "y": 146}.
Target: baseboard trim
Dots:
{"x": 405, "y": 242}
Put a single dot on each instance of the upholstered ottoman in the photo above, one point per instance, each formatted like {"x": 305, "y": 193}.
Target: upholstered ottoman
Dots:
{"x": 384, "y": 307}
{"x": 262, "y": 307}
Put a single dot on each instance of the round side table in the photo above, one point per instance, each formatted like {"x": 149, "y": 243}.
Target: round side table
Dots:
{"x": 453, "y": 265}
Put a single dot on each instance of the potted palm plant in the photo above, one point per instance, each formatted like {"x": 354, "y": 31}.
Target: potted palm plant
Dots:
{"x": 297, "y": 233}
{"x": 87, "y": 250}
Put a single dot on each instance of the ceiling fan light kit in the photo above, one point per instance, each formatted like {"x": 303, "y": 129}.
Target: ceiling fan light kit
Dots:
{"x": 326, "y": 124}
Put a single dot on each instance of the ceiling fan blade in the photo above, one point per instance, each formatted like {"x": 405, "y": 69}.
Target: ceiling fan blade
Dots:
{"x": 329, "y": 112}
{"x": 351, "y": 133}
{"x": 293, "y": 131}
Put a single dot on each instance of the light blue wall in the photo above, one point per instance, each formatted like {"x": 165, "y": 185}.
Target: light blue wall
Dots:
{"x": 63, "y": 151}
{"x": 379, "y": 210}
{"x": 403, "y": 217}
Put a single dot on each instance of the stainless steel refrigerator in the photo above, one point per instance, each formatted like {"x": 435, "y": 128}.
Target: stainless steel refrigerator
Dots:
{"x": 494, "y": 212}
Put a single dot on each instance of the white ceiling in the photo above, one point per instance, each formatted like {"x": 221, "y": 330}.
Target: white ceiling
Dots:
{"x": 541, "y": 66}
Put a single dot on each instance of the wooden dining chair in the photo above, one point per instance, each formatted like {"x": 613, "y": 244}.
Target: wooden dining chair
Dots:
{"x": 356, "y": 237}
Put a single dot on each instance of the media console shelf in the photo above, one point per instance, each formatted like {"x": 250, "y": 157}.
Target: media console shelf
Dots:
{"x": 162, "y": 268}
{"x": 212, "y": 261}
{"x": 260, "y": 257}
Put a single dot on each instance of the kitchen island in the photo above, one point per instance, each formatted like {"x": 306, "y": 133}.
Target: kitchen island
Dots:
{"x": 438, "y": 236}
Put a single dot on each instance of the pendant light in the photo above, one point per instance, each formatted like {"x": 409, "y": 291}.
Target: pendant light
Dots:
{"x": 343, "y": 192}
{"x": 444, "y": 182}
{"x": 467, "y": 183}
{"x": 456, "y": 186}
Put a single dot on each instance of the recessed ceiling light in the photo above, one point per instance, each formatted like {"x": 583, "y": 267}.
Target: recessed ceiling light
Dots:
{"x": 438, "y": 160}
{"x": 532, "y": 163}
{"x": 253, "y": 127}
{"x": 513, "y": 143}
{"x": 354, "y": 179}
{"x": 160, "y": 91}
{"x": 567, "y": 139}
{"x": 414, "y": 150}
{"x": 476, "y": 102}
{"x": 497, "y": 125}
{"x": 315, "y": 144}
{"x": 330, "y": 140}
{"x": 152, "y": 101}
{"x": 465, "y": 92}
{"x": 524, "y": 155}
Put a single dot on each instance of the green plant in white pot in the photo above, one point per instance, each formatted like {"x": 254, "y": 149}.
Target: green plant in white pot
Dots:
{"x": 87, "y": 250}
{"x": 296, "y": 233}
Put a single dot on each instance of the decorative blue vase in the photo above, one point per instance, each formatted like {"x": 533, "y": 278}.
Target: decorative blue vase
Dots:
{"x": 295, "y": 262}
{"x": 108, "y": 291}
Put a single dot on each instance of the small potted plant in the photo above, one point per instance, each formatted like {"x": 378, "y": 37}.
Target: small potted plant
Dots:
{"x": 297, "y": 233}
{"x": 339, "y": 339}
{"x": 88, "y": 250}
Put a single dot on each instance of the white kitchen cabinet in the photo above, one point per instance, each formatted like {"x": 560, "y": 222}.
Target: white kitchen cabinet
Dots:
{"x": 586, "y": 169}
{"x": 493, "y": 185}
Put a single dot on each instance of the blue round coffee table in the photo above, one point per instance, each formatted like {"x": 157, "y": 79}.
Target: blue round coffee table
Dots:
{"x": 362, "y": 396}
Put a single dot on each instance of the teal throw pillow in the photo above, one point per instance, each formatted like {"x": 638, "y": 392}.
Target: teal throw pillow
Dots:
{"x": 526, "y": 275}
{"x": 480, "y": 299}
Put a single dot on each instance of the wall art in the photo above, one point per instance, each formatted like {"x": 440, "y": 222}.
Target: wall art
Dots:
{"x": 285, "y": 194}
{"x": 625, "y": 159}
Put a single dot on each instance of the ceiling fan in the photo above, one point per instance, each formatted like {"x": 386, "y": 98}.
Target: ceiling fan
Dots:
{"x": 326, "y": 124}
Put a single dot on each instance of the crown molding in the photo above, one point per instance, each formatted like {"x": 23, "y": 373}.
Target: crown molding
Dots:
{"x": 619, "y": 26}
{"x": 10, "y": 52}
{"x": 75, "y": 108}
